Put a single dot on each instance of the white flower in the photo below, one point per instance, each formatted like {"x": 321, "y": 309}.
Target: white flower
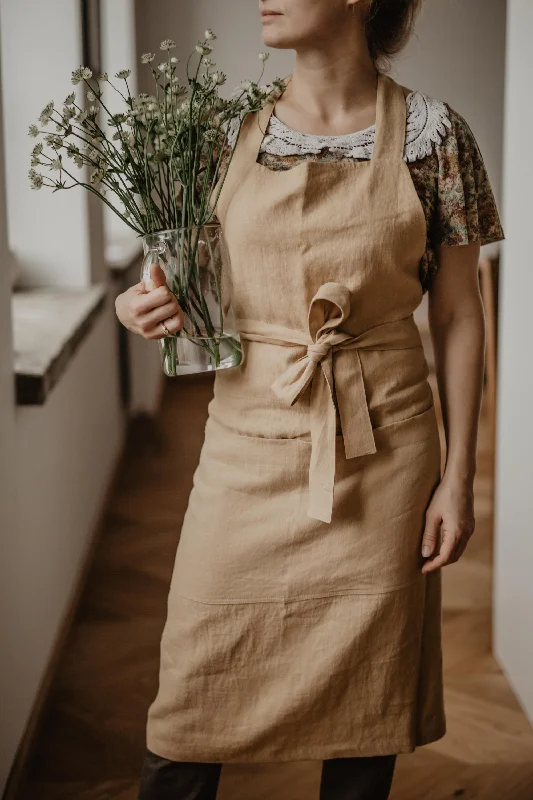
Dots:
{"x": 123, "y": 74}
{"x": 70, "y": 99}
{"x": 209, "y": 34}
{"x": 147, "y": 58}
{"x": 33, "y": 131}
{"x": 246, "y": 85}
{"x": 99, "y": 174}
{"x": 78, "y": 160}
{"x": 36, "y": 179}
{"x": 56, "y": 164}
{"x": 167, "y": 44}
{"x": 116, "y": 119}
{"x": 162, "y": 66}
{"x": 46, "y": 114}
{"x": 37, "y": 150}
{"x": 53, "y": 140}
{"x": 174, "y": 60}
{"x": 80, "y": 74}
{"x": 278, "y": 84}
{"x": 104, "y": 76}
{"x": 203, "y": 49}
{"x": 91, "y": 96}
{"x": 263, "y": 56}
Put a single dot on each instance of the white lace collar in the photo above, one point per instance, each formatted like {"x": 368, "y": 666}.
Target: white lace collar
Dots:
{"x": 427, "y": 121}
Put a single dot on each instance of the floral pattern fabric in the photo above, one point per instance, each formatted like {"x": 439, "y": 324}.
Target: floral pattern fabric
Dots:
{"x": 452, "y": 184}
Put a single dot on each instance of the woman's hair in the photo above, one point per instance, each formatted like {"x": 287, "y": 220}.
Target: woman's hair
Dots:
{"x": 389, "y": 24}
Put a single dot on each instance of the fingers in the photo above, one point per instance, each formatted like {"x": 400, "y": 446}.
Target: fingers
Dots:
{"x": 146, "y": 301}
{"x": 443, "y": 556}
{"x": 454, "y": 541}
{"x": 170, "y": 313}
{"x": 451, "y": 512}
{"x": 431, "y": 532}
{"x": 172, "y": 324}
{"x": 461, "y": 543}
{"x": 157, "y": 275}
{"x": 155, "y": 278}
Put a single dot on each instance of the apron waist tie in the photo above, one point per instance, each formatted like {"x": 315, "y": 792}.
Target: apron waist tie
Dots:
{"x": 341, "y": 378}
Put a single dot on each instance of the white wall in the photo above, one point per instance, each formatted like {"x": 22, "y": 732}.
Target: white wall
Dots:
{"x": 60, "y": 465}
{"x": 66, "y": 453}
{"x": 49, "y": 233}
{"x": 514, "y": 518}
{"x": 235, "y": 22}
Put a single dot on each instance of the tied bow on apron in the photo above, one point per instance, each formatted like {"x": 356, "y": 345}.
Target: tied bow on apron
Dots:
{"x": 335, "y": 378}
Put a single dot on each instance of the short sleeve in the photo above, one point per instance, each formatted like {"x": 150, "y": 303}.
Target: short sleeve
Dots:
{"x": 465, "y": 210}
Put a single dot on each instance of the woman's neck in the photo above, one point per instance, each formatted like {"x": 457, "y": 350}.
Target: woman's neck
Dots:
{"x": 330, "y": 99}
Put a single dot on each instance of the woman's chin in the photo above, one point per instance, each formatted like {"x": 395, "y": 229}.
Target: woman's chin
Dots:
{"x": 276, "y": 39}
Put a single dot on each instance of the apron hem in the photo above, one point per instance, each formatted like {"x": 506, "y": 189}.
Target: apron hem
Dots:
{"x": 316, "y": 753}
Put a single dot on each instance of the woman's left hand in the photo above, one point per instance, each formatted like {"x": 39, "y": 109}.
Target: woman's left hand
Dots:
{"x": 452, "y": 510}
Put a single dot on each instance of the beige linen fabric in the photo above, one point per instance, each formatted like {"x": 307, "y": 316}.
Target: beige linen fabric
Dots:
{"x": 299, "y": 623}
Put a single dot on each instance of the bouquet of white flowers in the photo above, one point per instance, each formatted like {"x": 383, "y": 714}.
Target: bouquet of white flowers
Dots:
{"x": 157, "y": 164}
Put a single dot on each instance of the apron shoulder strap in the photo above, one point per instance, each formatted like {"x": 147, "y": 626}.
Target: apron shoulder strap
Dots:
{"x": 391, "y": 120}
{"x": 244, "y": 154}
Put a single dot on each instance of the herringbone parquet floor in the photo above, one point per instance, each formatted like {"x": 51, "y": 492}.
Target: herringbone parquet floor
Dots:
{"x": 91, "y": 743}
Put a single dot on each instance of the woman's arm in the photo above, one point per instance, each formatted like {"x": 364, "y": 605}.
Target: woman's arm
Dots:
{"x": 457, "y": 324}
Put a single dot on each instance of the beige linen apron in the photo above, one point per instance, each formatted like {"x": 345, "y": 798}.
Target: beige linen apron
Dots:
{"x": 299, "y": 623}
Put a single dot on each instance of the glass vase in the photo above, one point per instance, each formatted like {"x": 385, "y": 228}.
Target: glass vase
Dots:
{"x": 194, "y": 260}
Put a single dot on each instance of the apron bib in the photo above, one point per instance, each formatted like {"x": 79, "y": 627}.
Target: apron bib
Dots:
{"x": 299, "y": 624}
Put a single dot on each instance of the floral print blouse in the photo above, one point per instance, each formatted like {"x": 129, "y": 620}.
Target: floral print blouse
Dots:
{"x": 444, "y": 160}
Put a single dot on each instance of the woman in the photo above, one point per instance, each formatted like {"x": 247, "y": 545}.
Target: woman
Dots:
{"x": 304, "y": 615}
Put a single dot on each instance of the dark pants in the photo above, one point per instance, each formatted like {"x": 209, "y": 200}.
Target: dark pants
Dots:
{"x": 368, "y": 778}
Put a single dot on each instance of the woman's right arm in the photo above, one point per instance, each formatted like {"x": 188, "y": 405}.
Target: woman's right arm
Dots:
{"x": 141, "y": 310}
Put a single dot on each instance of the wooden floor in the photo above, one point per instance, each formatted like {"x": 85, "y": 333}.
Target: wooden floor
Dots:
{"x": 91, "y": 744}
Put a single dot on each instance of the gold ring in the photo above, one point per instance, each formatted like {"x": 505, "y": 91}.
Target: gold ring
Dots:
{"x": 165, "y": 329}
